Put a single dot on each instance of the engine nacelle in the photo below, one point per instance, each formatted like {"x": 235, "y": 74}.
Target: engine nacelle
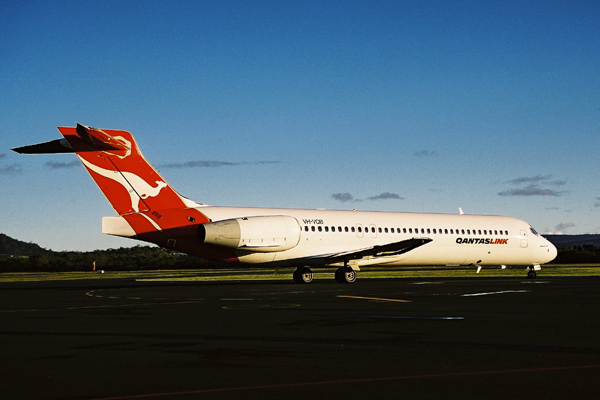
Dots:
{"x": 261, "y": 234}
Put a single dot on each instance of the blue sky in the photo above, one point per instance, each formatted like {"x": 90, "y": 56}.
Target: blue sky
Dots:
{"x": 492, "y": 106}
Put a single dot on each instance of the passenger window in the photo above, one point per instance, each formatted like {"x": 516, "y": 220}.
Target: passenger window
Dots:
{"x": 312, "y": 228}
{"x": 326, "y": 229}
{"x": 352, "y": 229}
{"x": 346, "y": 228}
{"x": 428, "y": 230}
{"x": 409, "y": 230}
{"x": 386, "y": 230}
{"x": 468, "y": 232}
{"x": 392, "y": 230}
{"x": 320, "y": 229}
{"x": 379, "y": 230}
{"x": 359, "y": 229}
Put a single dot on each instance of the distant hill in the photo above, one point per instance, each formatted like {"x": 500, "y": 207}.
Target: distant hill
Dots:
{"x": 561, "y": 241}
{"x": 14, "y": 247}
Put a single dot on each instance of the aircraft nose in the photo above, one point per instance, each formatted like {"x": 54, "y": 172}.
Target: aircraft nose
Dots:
{"x": 552, "y": 252}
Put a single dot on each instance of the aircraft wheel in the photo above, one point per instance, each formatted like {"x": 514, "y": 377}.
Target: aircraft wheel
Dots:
{"x": 345, "y": 275}
{"x": 531, "y": 274}
{"x": 303, "y": 275}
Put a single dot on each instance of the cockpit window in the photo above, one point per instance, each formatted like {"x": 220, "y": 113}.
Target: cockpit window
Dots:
{"x": 533, "y": 231}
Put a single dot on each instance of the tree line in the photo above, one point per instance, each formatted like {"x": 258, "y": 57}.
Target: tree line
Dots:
{"x": 121, "y": 259}
{"x": 151, "y": 258}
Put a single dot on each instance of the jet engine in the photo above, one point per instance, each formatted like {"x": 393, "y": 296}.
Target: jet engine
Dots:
{"x": 259, "y": 234}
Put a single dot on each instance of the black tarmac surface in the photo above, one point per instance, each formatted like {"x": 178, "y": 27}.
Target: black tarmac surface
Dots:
{"x": 474, "y": 338}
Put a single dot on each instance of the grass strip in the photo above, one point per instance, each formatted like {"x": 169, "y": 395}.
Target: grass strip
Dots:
{"x": 263, "y": 274}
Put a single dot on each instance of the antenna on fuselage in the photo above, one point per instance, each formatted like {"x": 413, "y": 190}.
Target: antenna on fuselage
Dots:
{"x": 460, "y": 211}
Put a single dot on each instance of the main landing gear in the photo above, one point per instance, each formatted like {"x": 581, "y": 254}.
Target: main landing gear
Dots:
{"x": 303, "y": 275}
{"x": 342, "y": 275}
{"x": 345, "y": 275}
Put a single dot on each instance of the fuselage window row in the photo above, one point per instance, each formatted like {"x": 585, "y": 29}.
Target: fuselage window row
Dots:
{"x": 435, "y": 231}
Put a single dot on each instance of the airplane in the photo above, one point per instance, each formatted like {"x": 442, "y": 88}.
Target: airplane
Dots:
{"x": 150, "y": 210}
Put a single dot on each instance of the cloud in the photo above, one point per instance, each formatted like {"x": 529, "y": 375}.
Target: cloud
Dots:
{"x": 531, "y": 190}
{"x": 563, "y": 225}
{"x": 534, "y": 186}
{"x": 343, "y": 197}
{"x": 62, "y": 165}
{"x": 424, "y": 153}
{"x": 265, "y": 162}
{"x": 558, "y": 182}
{"x": 11, "y": 169}
{"x": 529, "y": 179}
{"x": 200, "y": 164}
{"x": 214, "y": 164}
{"x": 386, "y": 196}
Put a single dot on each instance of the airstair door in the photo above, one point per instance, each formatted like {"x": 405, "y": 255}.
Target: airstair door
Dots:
{"x": 523, "y": 238}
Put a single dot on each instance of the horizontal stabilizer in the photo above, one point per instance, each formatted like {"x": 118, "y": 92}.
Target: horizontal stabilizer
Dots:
{"x": 86, "y": 139}
{"x": 51, "y": 147}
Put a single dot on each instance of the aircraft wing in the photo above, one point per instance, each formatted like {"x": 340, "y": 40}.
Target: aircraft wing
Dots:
{"x": 385, "y": 250}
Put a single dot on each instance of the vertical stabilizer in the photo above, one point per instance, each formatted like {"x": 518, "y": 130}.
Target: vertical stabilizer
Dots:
{"x": 132, "y": 186}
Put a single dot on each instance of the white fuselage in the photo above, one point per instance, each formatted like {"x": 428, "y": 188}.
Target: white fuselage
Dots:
{"x": 456, "y": 239}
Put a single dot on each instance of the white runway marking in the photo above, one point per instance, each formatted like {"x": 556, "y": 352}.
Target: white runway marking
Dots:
{"x": 490, "y": 293}
{"x": 375, "y": 298}
{"x": 237, "y": 299}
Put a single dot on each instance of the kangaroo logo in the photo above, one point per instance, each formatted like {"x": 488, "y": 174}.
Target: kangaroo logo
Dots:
{"x": 133, "y": 184}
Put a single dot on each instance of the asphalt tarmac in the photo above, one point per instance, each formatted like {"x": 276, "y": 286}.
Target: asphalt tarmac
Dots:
{"x": 395, "y": 338}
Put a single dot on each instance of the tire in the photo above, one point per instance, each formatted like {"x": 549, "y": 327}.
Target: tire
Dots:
{"x": 303, "y": 275}
{"x": 345, "y": 275}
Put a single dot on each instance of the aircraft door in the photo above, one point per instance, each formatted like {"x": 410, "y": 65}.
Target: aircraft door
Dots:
{"x": 523, "y": 238}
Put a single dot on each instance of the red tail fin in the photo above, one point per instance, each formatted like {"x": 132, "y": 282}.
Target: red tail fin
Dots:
{"x": 135, "y": 189}
{"x": 115, "y": 162}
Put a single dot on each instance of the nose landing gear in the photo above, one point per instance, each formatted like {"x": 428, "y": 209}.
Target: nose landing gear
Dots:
{"x": 531, "y": 274}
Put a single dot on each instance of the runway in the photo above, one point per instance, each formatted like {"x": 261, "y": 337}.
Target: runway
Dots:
{"x": 377, "y": 338}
